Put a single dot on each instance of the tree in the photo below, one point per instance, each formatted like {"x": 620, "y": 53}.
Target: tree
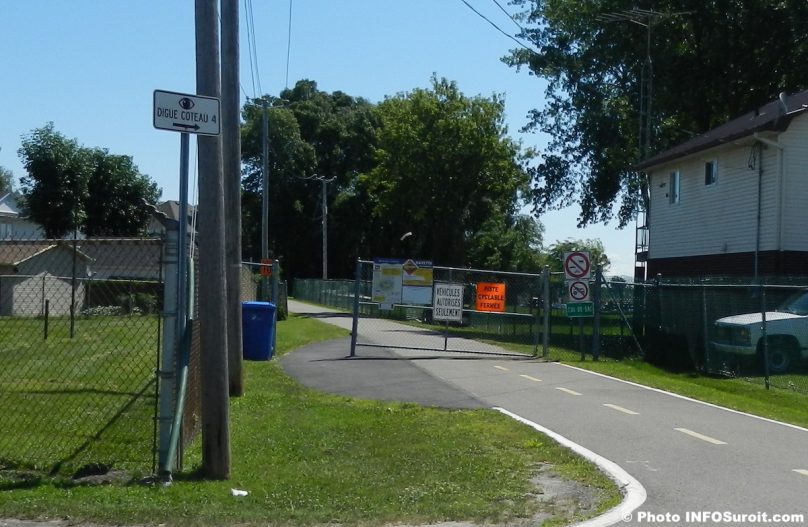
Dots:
{"x": 597, "y": 253}
{"x": 117, "y": 195}
{"x": 55, "y": 188}
{"x": 6, "y": 181}
{"x": 712, "y": 61}
{"x": 72, "y": 187}
{"x": 313, "y": 135}
{"x": 446, "y": 172}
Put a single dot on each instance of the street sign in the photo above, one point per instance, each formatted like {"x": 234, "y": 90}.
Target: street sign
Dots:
{"x": 448, "y": 305}
{"x": 580, "y": 309}
{"x": 266, "y": 267}
{"x": 577, "y": 265}
{"x": 578, "y": 291}
{"x": 182, "y": 112}
{"x": 490, "y": 297}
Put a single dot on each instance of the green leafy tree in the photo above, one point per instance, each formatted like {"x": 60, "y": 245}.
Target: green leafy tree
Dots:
{"x": 597, "y": 253}
{"x": 69, "y": 187}
{"x": 508, "y": 244}
{"x": 117, "y": 196}
{"x": 313, "y": 135}
{"x": 445, "y": 169}
{"x": 712, "y": 60}
{"x": 6, "y": 180}
{"x": 55, "y": 188}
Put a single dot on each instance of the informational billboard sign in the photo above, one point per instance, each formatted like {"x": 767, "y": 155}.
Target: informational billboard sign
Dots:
{"x": 416, "y": 281}
{"x": 402, "y": 281}
{"x": 386, "y": 288}
{"x": 448, "y": 303}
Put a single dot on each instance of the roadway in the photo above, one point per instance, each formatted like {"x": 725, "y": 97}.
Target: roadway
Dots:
{"x": 690, "y": 457}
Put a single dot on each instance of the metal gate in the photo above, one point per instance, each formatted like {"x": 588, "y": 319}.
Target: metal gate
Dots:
{"x": 500, "y": 311}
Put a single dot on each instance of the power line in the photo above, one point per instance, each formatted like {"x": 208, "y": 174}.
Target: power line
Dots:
{"x": 253, "y": 50}
{"x": 289, "y": 44}
{"x": 509, "y": 15}
{"x": 497, "y": 27}
{"x": 249, "y": 46}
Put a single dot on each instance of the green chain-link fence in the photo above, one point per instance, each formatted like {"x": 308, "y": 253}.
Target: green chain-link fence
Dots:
{"x": 79, "y": 341}
{"x": 756, "y": 332}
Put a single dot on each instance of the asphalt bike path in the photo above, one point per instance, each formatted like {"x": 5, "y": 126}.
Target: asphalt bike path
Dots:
{"x": 699, "y": 464}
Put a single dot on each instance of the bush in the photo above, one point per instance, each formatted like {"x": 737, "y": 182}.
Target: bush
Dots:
{"x": 103, "y": 311}
{"x": 137, "y": 303}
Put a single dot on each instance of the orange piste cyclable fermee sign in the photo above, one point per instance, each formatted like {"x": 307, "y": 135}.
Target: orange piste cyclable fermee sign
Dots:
{"x": 490, "y": 297}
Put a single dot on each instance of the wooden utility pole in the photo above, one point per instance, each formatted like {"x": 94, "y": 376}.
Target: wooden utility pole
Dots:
{"x": 231, "y": 147}
{"x": 212, "y": 312}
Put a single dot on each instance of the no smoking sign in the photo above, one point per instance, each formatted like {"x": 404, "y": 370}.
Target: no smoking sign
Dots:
{"x": 577, "y": 265}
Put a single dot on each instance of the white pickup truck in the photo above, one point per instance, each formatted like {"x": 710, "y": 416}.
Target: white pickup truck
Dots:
{"x": 786, "y": 334}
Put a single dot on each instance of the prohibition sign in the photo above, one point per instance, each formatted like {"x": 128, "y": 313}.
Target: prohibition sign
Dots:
{"x": 577, "y": 265}
{"x": 579, "y": 291}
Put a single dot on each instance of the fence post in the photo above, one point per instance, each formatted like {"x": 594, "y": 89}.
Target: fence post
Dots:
{"x": 596, "y": 320}
{"x": 168, "y": 360}
{"x": 355, "y": 323}
{"x": 47, "y": 316}
{"x": 545, "y": 337}
{"x": 706, "y": 339}
{"x": 764, "y": 335}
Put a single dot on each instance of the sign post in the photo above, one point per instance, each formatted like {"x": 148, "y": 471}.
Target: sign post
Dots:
{"x": 187, "y": 114}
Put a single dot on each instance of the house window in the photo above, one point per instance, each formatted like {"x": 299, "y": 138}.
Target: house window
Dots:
{"x": 673, "y": 192}
{"x": 710, "y": 170}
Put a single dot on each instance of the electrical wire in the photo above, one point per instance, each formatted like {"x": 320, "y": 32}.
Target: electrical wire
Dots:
{"x": 249, "y": 47}
{"x": 289, "y": 44}
{"x": 497, "y": 27}
{"x": 255, "y": 49}
{"x": 509, "y": 16}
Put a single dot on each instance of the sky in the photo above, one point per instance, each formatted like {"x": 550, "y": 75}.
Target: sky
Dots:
{"x": 91, "y": 68}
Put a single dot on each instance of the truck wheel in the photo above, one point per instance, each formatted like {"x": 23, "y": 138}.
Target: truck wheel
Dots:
{"x": 781, "y": 353}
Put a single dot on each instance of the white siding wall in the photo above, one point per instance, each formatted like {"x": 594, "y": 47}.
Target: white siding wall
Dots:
{"x": 795, "y": 179}
{"x": 713, "y": 219}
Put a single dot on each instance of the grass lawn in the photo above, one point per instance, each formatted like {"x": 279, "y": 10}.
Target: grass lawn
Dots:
{"x": 68, "y": 401}
{"x": 309, "y": 458}
{"x": 775, "y": 403}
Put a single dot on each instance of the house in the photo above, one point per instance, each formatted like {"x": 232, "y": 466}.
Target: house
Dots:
{"x": 171, "y": 209}
{"x": 733, "y": 201}
{"x": 13, "y": 226}
{"x": 32, "y": 273}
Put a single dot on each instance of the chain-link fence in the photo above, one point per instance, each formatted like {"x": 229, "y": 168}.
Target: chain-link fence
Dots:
{"x": 757, "y": 332}
{"x": 79, "y": 341}
{"x": 716, "y": 326}
{"x": 265, "y": 287}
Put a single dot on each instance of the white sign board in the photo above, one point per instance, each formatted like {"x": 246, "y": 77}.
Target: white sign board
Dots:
{"x": 578, "y": 291}
{"x": 386, "y": 288}
{"x": 448, "y": 304}
{"x": 182, "y": 112}
{"x": 577, "y": 265}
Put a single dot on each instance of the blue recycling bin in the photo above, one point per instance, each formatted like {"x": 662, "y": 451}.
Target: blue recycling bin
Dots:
{"x": 258, "y": 330}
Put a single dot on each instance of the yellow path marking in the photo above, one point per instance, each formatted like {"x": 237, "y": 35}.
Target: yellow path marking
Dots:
{"x": 700, "y": 436}
{"x": 567, "y": 390}
{"x": 621, "y": 409}
{"x": 503, "y": 368}
{"x": 801, "y": 471}
{"x": 528, "y": 377}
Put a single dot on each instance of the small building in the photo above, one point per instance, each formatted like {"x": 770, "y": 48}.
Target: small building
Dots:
{"x": 32, "y": 273}
{"x": 13, "y": 225}
{"x": 733, "y": 200}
